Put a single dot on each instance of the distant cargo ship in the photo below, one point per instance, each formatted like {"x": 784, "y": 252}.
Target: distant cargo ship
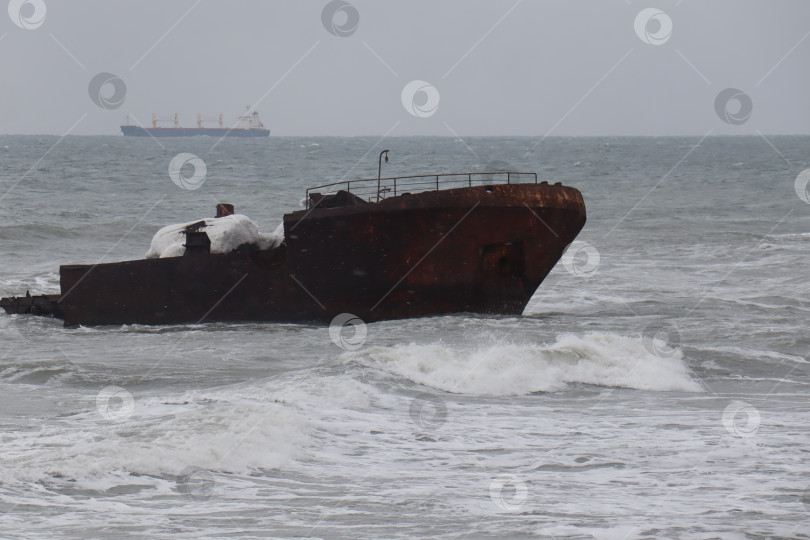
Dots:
{"x": 248, "y": 125}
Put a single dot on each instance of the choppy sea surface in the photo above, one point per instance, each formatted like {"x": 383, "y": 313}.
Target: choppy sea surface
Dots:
{"x": 656, "y": 386}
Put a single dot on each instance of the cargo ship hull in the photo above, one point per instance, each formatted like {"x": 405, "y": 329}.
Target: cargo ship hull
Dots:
{"x": 137, "y": 131}
{"x": 482, "y": 249}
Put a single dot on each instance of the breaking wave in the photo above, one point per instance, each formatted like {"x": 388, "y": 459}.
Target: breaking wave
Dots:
{"x": 601, "y": 359}
{"x": 234, "y": 429}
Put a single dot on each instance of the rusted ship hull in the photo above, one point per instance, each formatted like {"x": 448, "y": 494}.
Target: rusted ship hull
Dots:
{"x": 482, "y": 249}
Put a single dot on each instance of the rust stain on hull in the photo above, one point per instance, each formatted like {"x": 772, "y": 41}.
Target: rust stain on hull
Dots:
{"x": 482, "y": 249}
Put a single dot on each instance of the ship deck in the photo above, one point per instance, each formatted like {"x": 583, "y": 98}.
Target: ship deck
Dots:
{"x": 380, "y": 249}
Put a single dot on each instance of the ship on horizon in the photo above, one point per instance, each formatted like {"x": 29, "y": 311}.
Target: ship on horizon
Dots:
{"x": 247, "y": 125}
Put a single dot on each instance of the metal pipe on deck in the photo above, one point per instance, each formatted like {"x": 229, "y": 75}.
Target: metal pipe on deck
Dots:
{"x": 379, "y": 171}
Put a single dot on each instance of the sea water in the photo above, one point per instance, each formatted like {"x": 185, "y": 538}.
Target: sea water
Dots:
{"x": 656, "y": 386}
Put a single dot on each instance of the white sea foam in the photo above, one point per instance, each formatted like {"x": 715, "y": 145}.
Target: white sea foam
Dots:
{"x": 602, "y": 359}
{"x": 756, "y": 354}
{"x": 233, "y": 429}
{"x": 159, "y": 439}
{"x": 226, "y": 234}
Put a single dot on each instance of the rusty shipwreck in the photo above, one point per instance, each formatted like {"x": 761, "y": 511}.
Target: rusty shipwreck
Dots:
{"x": 379, "y": 249}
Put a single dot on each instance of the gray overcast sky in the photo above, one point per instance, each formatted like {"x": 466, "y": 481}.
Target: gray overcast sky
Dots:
{"x": 507, "y": 67}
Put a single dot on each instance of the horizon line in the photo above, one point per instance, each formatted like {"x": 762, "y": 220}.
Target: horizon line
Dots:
{"x": 435, "y": 136}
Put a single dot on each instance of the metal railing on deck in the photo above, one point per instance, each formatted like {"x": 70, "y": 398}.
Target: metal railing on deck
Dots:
{"x": 377, "y": 189}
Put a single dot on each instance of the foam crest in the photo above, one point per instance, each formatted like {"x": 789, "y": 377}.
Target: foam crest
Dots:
{"x": 232, "y": 429}
{"x": 161, "y": 438}
{"x": 602, "y": 359}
